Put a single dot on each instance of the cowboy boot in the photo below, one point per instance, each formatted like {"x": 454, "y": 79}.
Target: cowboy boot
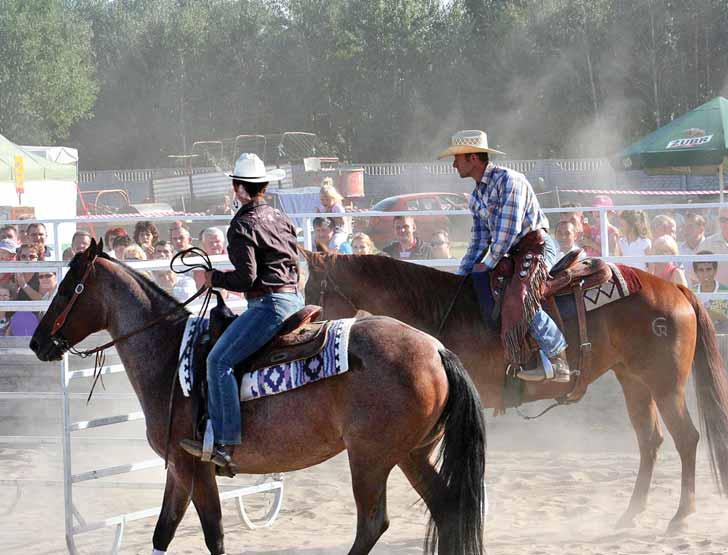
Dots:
{"x": 560, "y": 366}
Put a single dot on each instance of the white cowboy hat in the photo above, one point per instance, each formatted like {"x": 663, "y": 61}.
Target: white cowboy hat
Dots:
{"x": 252, "y": 169}
{"x": 468, "y": 141}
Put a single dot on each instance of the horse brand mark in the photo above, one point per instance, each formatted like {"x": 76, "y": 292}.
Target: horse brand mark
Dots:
{"x": 659, "y": 326}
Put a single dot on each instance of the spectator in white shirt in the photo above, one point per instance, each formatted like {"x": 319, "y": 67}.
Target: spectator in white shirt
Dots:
{"x": 635, "y": 236}
{"x": 694, "y": 233}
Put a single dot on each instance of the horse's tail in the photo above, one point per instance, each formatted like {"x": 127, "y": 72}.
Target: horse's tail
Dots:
{"x": 462, "y": 472}
{"x": 711, "y": 386}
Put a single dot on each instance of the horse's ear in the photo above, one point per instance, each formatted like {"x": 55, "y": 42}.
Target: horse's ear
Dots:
{"x": 90, "y": 252}
{"x": 100, "y": 246}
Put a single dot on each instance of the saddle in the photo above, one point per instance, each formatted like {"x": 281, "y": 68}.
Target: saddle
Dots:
{"x": 571, "y": 275}
{"x": 300, "y": 337}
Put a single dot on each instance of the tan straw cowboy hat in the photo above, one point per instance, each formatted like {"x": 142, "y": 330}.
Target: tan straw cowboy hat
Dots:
{"x": 468, "y": 141}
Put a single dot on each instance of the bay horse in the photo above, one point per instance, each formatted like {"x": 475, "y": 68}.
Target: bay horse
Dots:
{"x": 402, "y": 394}
{"x": 652, "y": 368}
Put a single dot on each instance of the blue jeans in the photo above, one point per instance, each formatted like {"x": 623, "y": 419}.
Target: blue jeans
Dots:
{"x": 543, "y": 329}
{"x": 248, "y": 333}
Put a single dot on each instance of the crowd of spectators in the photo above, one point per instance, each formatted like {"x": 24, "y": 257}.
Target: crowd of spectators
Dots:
{"x": 693, "y": 232}
{"x": 630, "y": 233}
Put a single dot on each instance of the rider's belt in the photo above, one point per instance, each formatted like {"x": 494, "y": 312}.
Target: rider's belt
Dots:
{"x": 257, "y": 293}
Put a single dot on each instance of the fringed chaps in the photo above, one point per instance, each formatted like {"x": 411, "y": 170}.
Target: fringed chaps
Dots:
{"x": 522, "y": 298}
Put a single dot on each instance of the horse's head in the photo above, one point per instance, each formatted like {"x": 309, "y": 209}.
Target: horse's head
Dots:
{"x": 327, "y": 287}
{"x": 76, "y": 310}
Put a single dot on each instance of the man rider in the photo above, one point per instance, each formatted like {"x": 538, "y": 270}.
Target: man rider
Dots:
{"x": 505, "y": 212}
{"x": 263, "y": 249}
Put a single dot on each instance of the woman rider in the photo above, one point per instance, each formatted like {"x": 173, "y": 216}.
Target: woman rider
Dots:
{"x": 263, "y": 249}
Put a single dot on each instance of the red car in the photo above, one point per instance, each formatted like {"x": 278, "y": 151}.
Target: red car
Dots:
{"x": 381, "y": 229}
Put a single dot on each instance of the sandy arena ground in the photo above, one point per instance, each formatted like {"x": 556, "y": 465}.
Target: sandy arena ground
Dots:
{"x": 556, "y": 486}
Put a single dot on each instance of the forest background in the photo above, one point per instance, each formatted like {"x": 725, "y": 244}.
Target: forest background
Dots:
{"x": 129, "y": 82}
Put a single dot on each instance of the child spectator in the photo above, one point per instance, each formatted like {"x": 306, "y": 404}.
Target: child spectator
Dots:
{"x": 669, "y": 271}
{"x": 635, "y": 236}
{"x": 361, "y": 243}
{"x": 592, "y": 238}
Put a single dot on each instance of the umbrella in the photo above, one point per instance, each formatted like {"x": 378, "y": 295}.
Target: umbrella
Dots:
{"x": 693, "y": 144}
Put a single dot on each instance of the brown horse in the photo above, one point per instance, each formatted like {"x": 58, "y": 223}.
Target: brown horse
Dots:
{"x": 652, "y": 367}
{"x": 403, "y": 393}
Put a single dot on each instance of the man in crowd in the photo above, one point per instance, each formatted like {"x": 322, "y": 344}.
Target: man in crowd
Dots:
{"x": 212, "y": 240}
{"x": 324, "y": 233}
{"x": 506, "y": 214}
{"x": 37, "y": 235}
{"x": 80, "y": 242}
{"x": 718, "y": 244}
{"x": 694, "y": 234}
{"x": 179, "y": 236}
{"x": 9, "y": 232}
{"x": 407, "y": 246}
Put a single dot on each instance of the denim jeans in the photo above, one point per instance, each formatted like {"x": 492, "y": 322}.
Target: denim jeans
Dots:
{"x": 543, "y": 329}
{"x": 248, "y": 333}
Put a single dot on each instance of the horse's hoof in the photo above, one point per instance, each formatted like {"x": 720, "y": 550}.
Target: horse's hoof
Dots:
{"x": 676, "y": 527}
{"x": 627, "y": 521}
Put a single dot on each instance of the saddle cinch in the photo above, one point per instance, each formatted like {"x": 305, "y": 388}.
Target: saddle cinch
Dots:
{"x": 571, "y": 276}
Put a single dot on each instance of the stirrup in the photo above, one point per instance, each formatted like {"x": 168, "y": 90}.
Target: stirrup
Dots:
{"x": 219, "y": 457}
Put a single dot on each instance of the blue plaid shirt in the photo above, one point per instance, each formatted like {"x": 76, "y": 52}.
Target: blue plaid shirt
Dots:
{"x": 504, "y": 208}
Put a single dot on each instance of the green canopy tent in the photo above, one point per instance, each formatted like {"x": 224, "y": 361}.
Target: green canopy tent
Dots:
{"x": 693, "y": 144}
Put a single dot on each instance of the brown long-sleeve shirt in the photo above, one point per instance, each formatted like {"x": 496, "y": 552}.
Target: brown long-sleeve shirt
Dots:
{"x": 262, "y": 246}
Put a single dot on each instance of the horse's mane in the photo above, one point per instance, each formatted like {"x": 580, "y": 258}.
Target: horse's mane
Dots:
{"x": 147, "y": 285}
{"x": 421, "y": 290}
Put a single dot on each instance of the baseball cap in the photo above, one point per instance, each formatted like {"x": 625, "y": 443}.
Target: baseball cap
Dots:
{"x": 8, "y": 245}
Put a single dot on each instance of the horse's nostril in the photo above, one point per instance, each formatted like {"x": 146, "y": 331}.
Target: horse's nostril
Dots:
{"x": 34, "y": 345}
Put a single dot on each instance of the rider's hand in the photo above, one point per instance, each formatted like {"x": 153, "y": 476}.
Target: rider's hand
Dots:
{"x": 208, "y": 278}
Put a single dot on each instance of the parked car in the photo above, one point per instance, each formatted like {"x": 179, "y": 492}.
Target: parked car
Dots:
{"x": 381, "y": 229}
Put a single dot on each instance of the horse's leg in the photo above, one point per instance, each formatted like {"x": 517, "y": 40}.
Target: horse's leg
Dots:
{"x": 174, "y": 506}
{"x": 677, "y": 419}
{"x": 422, "y": 474}
{"x": 643, "y": 414}
{"x": 206, "y": 498}
{"x": 369, "y": 473}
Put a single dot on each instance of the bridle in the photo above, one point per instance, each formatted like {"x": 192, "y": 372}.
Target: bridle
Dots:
{"x": 324, "y": 284}
{"x": 65, "y": 345}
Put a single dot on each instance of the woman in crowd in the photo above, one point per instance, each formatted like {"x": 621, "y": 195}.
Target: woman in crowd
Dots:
{"x": 145, "y": 235}
{"x": 111, "y": 234}
{"x": 361, "y": 243}
{"x": 634, "y": 237}
{"x": 136, "y": 252}
{"x": 669, "y": 271}
{"x": 23, "y": 323}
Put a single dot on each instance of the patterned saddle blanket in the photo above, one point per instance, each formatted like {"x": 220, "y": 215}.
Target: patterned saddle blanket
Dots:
{"x": 332, "y": 360}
